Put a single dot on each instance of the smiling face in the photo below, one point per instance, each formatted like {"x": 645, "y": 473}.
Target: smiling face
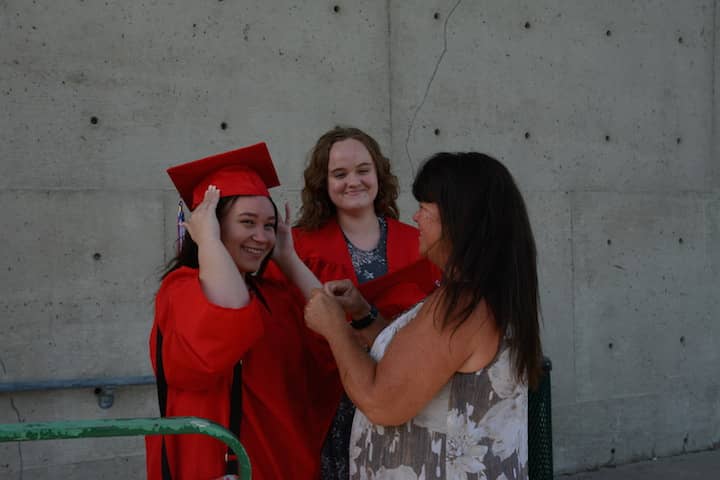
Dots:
{"x": 247, "y": 230}
{"x": 352, "y": 181}
{"x": 429, "y": 223}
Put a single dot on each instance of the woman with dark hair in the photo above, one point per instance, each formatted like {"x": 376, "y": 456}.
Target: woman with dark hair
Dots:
{"x": 227, "y": 344}
{"x": 443, "y": 391}
{"x": 349, "y": 229}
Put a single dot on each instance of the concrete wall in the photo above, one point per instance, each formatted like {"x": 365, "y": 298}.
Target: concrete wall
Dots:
{"x": 604, "y": 111}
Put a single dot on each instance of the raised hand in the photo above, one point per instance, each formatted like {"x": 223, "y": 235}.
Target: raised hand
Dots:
{"x": 203, "y": 225}
{"x": 284, "y": 250}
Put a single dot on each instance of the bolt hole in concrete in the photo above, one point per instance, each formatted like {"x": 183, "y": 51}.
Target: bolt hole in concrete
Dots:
{"x": 336, "y": 8}
{"x": 682, "y": 340}
{"x": 680, "y": 40}
{"x": 527, "y": 25}
{"x": 608, "y": 33}
{"x": 527, "y": 134}
{"x": 96, "y": 256}
{"x": 436, "y": 16}
{"x": 678, "y": 140}
{"x": 610, "y": 345}
{"x": 94, "y": 120}
{"x": 680, "y": 240}
{"x": 437, "y": 131}
{"x": 612, "y": 451}
{"x": 607, "y": 138}
{"x": 609, "y": 242}
{"x": 224, "y": 125}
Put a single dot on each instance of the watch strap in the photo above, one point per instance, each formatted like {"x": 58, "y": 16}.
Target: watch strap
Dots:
{"x": 365, "y": 321}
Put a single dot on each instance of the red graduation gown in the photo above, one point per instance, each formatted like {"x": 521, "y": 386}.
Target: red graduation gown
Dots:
{"x": 325, "y": 252}
{"x": 201, "y": 344}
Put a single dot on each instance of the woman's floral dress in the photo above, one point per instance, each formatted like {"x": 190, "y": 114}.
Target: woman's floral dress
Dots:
{"x": 475, "y": 428}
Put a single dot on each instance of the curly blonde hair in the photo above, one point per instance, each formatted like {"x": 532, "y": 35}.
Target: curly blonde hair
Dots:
{"x": 317, "y": 208}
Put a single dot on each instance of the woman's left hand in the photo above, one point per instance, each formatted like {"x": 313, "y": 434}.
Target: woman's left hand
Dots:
{"x": 348, "y": 296}
{"x": 284, "y": 248}
{"x": 323, "y": 313}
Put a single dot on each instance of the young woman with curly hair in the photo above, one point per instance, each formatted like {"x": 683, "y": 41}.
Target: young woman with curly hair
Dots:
{"x": 349, "y": 229}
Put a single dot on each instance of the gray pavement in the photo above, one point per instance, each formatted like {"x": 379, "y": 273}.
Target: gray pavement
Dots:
{"x": 691, "y": 466}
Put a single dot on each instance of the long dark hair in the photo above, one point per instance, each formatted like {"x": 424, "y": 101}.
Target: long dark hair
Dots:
{"x": 188, "y": 255}
{"x": 317, "y": 208}
{"x": 492, "y": 250}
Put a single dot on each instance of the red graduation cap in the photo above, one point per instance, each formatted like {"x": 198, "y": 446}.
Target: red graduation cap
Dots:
{"x": 245, "y": 171}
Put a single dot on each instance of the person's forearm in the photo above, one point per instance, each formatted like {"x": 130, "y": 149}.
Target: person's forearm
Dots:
{"x": 357, "y": 369}
{"x": 369, "y": 333}
{"x": 220, "y": 278}
{"x": 299, "y": 274}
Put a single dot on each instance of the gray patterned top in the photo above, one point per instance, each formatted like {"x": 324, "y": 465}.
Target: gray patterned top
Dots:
{"x": 474, "y": 429}
{"x": 369, "y": 264}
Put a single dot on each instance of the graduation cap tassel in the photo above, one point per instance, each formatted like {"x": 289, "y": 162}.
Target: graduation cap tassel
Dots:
{"x": 180, "y": 227}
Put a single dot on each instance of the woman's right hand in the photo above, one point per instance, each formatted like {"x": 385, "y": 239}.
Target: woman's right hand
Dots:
{"x": 323, "y": 314}
{"x": 203, "y": 224}
{"x": 221, "y": 280}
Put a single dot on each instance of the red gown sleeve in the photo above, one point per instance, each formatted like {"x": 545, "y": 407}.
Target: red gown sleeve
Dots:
{"x": 395, "y": 292}
{"x": 201, "y": 340}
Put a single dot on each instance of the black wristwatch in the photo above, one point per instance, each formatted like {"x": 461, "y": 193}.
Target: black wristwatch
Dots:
{"x": 365, "y": 321}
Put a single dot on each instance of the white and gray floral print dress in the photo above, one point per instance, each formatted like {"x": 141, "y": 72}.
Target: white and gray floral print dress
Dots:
{"x": 475, "y": 428}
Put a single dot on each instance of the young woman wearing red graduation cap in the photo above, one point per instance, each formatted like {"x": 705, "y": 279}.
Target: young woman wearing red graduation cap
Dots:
{"x": 349, "y": 234}
{"x": 229, "y": 345}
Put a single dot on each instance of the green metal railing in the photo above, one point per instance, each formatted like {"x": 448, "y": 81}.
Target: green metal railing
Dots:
{"x": 126, "y": 427}
{"x": 540, "y": 461}
{"x": 540, "y": 454}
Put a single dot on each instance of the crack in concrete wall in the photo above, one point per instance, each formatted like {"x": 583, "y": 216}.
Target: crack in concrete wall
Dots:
{"x": 427, "y": 88}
